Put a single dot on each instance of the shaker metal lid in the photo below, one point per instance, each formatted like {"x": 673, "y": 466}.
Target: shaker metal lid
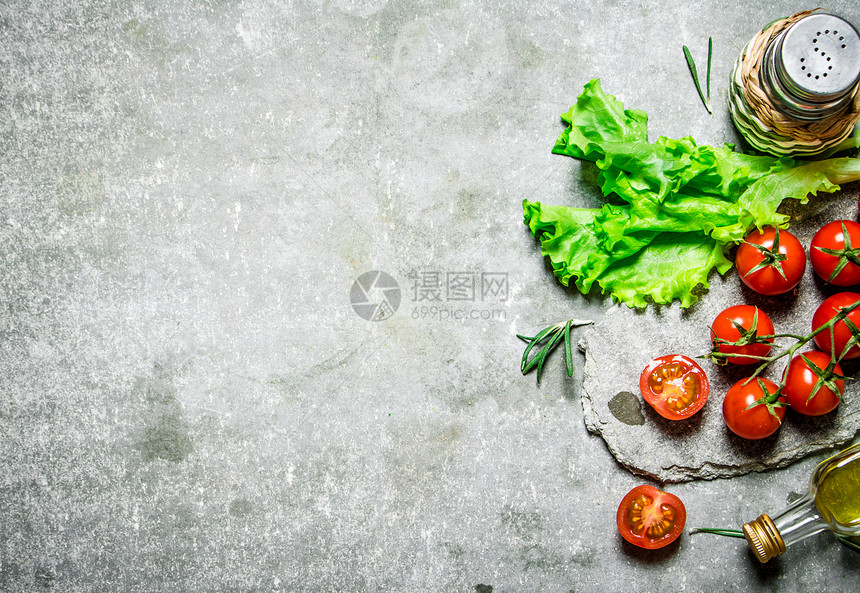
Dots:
{"x": 819, "y": 58}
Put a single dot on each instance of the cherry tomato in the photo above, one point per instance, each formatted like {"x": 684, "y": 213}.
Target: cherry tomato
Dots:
{"x": 835, "y": 252}
{"x": 675, "y": 386}
{"x": 759, "y": 260}
{"x": 756, "y": 422}
{"x": 803, "y": 391}
{"x": 650, "y": 518}
{"x": 841, "y": 333}
{"x": 755, "y": 323}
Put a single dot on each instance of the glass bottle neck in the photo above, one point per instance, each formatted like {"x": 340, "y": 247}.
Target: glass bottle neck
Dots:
{"x": 768, "y": 537}
{"x": 799, "y": 520}
{"x": 834, "y": 484}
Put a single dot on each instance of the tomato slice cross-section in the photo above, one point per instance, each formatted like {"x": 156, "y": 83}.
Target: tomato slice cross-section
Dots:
{"x": 650, "y": 518}
{"x": 675, "y": 386}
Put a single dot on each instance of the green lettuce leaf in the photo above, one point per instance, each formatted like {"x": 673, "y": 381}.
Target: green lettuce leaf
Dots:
{"x": 671, "y": 267}
{"x": 655, "y": 266}
{"x": 683, "y": 205}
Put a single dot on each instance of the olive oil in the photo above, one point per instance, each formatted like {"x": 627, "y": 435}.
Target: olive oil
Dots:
{"x": 838, "y": 494}
{"x": 832, "y": 503}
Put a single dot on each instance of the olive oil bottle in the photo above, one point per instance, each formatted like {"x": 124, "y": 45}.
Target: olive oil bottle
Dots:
{"x": 832, "y": 503}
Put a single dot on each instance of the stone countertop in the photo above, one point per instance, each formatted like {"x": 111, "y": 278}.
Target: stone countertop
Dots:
{"x": 192, "y": 195}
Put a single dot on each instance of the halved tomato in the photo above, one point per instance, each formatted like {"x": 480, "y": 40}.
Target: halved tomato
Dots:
{"x": 675, "y": 386}
{"x": 650, "y": 518}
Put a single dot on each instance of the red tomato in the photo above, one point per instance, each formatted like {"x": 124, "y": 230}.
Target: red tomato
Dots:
{"x": 756, "y": 422}
{"x": 650, "y": 518}
{"x": 759, "y": 260}
{"x": 805, "y": 391}
{"x": 835, "y": 252}
{"x": 675, "y": 386}
{"x": 754, "y": 321}
{"x": 841, "y": 334}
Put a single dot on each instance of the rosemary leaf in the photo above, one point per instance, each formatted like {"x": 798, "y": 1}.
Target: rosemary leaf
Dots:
{"x": 556, "y": 339}
{"x": 725, "y": 532}
{"x": 850, "y": 543}
{"x": 568, "y": 351}
{"x": 708, "y": 80}
{"x": 692, "y": 65}
{"x": 534, "y": 342}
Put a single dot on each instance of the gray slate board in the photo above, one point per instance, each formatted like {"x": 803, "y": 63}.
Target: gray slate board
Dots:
{"x": 701, "y": 447}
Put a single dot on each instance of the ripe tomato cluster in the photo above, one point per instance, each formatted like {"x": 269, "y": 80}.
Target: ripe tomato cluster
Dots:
{"x": 772, "y": 262}
{"x": 812, "y": 382}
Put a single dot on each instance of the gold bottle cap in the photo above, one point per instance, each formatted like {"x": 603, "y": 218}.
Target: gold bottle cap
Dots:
{"x": 764, "y": 538}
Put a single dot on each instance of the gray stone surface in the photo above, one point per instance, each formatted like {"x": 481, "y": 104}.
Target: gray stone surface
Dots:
{"x": 188, "y": 401}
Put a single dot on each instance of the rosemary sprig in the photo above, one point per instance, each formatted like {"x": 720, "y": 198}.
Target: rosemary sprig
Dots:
{"x": 850, "y": 543}
{"x": 725, "y": 532}
{"x": 550, "y": 337}
{"x": 694, "y": 71}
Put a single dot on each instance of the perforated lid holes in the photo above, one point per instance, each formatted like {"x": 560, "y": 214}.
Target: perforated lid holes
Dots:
{"x": 812, "y": 69}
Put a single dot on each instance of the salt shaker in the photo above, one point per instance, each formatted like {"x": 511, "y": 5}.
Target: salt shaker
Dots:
{"x": 795, "y": 86}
